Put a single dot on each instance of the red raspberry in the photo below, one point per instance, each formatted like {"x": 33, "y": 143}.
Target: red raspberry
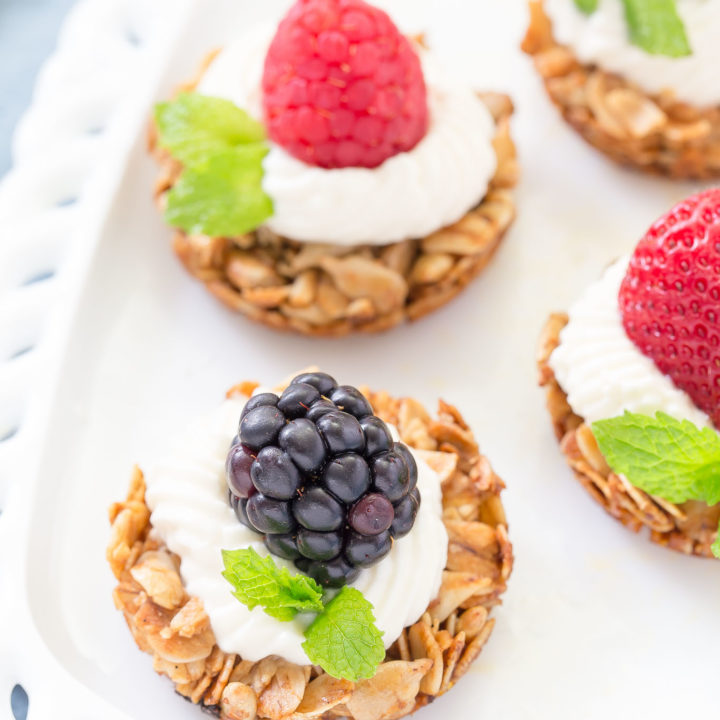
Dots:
{"x": 670, "y": 298}
{"x": 342, "y": 87}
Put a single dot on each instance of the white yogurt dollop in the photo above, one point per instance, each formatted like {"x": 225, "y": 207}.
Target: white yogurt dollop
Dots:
{"x": 602, "y": 39}
{"x": 601, "y": 369}
{"x": 410, "y": 195}
{"x": 187, "y": 494}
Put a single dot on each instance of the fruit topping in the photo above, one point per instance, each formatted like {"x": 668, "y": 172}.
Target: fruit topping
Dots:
{"x": 237, "y": 470}
{"x": 320, "y": 476}
{"x": 317, "y": 509}
{"x": 391, "y": 475}
{"x": 670, "y": 298}
{"x": 270, "y": 516}
{"x": 347, "y": 477}
{"x": 366, "y": 550}
{"x": 371, "y": 515}
{"x": 261, "y": 426}
{"x": 342, "y": 87}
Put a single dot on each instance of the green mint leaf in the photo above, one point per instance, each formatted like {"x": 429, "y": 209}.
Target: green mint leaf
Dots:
{"x": 221, "y": 148}
{"x": 222, "y": 197}
{"x": 259, "y": 581}
{"x": 192, "y": 127}
{"x": 587, "y": 6}
{"x": 716, "y": 545}
{"x": 669, "y": 458}
{"x": 344, "y": 640}
{"x": 656, "y": 27}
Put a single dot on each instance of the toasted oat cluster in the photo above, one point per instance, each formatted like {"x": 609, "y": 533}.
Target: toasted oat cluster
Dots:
{"x": 689, "y": 528}
{"x": 426, "y": 660}
{"x": 333, "y": 290}
{"x": 655, "y": 133}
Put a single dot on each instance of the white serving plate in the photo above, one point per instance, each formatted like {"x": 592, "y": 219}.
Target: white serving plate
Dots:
{"x": 596, "y": 623}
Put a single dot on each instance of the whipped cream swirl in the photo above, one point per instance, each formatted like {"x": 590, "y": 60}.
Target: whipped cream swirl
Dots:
{"x": 602, "y": 39}
{"x": 410, "y": 195}
{"x": 187, "y": 494}
{"x": 602, "y": 370}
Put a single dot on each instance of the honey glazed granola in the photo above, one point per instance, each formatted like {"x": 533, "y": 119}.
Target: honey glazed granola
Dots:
{"x": 426, "y": 660}
{"x": 654, "y": 133}
{"x": 689, "y": 527}
{"x": 333, "y": 290}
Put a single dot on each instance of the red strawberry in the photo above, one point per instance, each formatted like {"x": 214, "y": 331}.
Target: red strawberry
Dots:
{"x": 342, "y": 87}
{"x": 670, "y": 298}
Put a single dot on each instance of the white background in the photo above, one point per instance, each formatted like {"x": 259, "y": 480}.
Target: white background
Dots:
{"x": 596, "y": 623}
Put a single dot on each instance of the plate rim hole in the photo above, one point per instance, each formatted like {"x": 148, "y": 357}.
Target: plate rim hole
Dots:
{"x": 9, "y": 434}
{"x": 133, "y": 38}
{"x": 38, "y": 277}
{"x": 66, "y": 201}
{"x": 19, "y": 702}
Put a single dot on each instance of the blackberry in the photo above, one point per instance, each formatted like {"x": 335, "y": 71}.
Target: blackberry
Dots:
{"x": 405, "y": 513}
{"x": 297, "y": 399}
{"x": 390, "y": 475}
{"x": 318, "y": 474}
{"x": 351, "y": 400}
{"x": 317, "y": 509}
{"x": 258, "y": 400}
{"x": 319, "y": 408}
{"x": 237, "y": 471}
{"x": 275, "y": 474}
{"x": 334, "y": 573}
{"x": 319, "y": 545}
{"x": 365, "y": 550}
{"x": 261, "y": 426}
{"x": 324, "y": 383}
{"x": 270, "y": 516}
{"x": 371, "y": 515}
{"x": 347, "y": 477}
{"x": 341, "y": 432}
{"x": 377, "y": 436}
{"x": 239, "y": 505}
{"x": 405, "y": 453}
{"x": 301, "y": 440}
{"x": 284, "y": 546}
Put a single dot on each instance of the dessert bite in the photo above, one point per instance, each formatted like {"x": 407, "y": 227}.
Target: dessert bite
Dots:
{"x": 635, "y": 78}
{"x": 328, "y": 176}
{"x": 313, "y": 551}
{"x": 633, "y": 381}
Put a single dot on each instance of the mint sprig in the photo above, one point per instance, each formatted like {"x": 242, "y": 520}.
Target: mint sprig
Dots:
{"x": 221, "y": 149}
{"x": 587, "y": 6}
{"x": 343, "y": 638}
{"x": 653, "y": 25}
{"x": 192, "y": 127}
{"x": 656, "y": 27}
{"x": 223, "y": 197}
{"x": 665, "y": 457}
{"x": 259, "y": 581}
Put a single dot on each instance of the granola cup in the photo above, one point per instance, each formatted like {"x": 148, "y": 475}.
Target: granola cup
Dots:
{"x": 689, "y": 528}
{"x": 333, "y": 290}
{"x": 654, "y": 133}
{"x": 426, "y": 660}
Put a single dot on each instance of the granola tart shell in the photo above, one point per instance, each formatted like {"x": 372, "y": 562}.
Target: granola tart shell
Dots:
{"x": 688, "y": 528}
{"x": 426, "y": 660}
{"x": 654, "y": 133}
{"x": 333, "y": 290}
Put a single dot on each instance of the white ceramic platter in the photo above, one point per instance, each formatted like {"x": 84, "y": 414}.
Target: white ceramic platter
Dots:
{"x": 596, "y": 623}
